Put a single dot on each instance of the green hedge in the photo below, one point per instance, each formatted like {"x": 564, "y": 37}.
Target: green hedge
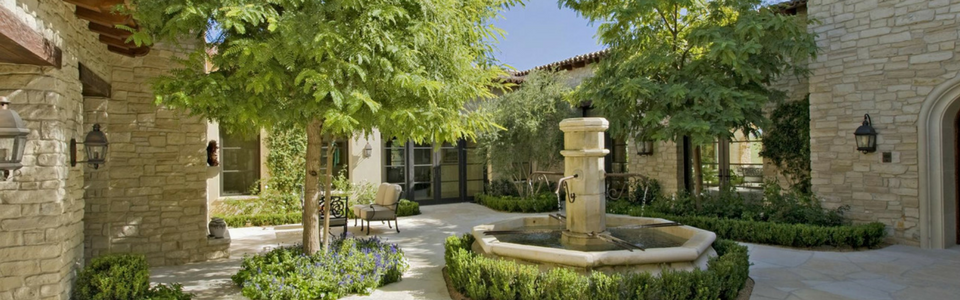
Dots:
{"x": 541, "y": 203}
{"x": 793, "y": 235}
{"x": 122, "y": 276}
{"x": 482, "y": 278}
{"x": 406, "y": 208}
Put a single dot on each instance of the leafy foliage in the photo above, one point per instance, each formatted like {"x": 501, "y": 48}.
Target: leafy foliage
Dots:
{"x": 406, "y": 208}
{"x": 334, "y": 68}
{"x": 122, "y": 276}
{"x": 285, "y": 160}
{"x": 531, "y": 138}
{"x": 538, "y": 203}
{"x": 787, "y": 142}
{"x": 353, "y": 266}
{"x": 868, "y": 235}
{"x": 481, "y": 278}
{"x": 692, "y": 68}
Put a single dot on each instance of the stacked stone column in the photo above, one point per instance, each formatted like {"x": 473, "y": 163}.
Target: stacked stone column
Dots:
{"x": 583, "y": 156}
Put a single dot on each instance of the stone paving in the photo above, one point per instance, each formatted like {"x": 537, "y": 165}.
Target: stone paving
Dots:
{"x": 895, "y": 272}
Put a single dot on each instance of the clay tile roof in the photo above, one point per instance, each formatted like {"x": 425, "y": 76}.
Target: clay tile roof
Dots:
{"x": 566, "y": 64}
{"x": 791, "y": 6}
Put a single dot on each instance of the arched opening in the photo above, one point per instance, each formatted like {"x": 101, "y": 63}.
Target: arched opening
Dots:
{"x": 939, "y": 152}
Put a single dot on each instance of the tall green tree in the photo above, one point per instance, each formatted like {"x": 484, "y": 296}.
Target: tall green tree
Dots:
{"x": 336, "y": 68}
{"x": 695, "y": 68}
{"x": 530, "y": 116}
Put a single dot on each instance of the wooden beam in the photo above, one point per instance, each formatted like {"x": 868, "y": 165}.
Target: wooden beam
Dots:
{"x": 19, "y": 44}
{"x": 104, "y": 18}
{"x": 135, "y": 52}
{"x": 116, "y": 42}
{"x": 109, "y": 31}
{"x": 93, "y": 85}
{"x": 105, "y": 6}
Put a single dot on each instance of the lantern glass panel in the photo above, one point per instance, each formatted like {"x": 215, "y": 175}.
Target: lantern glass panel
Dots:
{"x": 11, "y": 149}
{"x": 96, "y": 153}
{"x": 866, "y": 141}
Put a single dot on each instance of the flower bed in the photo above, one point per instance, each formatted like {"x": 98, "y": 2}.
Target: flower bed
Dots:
{"x": 481, "y": 278}
{"x": 122, "y": 276}
{"x": 351, "y": 266}
{"x": 541, "y": 203}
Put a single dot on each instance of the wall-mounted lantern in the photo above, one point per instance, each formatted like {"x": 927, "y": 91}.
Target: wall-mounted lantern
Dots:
{"x": 644, "y": 147}
{"x": 13, "y": 139}
{"x": 213, "y": 159}
{"x": 865, "y": 135}
{"x": 367, "y": 150}
{"x": 95, "y": 146}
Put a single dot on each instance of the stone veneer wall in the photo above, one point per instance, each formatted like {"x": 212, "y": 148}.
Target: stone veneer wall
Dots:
{"x": 881, "y": 58}
{"x": 150, "y": 196}
{"x": 665, "y": 165}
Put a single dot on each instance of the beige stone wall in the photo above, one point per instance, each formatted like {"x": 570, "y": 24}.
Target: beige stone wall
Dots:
{"x": 150, "y": 197}
{"x": 881, "y": 58}
{"x": 665, "y": 165}
{"x": 41, "y": 209}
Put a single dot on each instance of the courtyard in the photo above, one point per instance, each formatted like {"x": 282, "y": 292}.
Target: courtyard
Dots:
{"x": 892, "y": 272}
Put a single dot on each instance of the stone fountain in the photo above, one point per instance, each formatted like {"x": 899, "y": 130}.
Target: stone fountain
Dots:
{"x": 587, "y": 238}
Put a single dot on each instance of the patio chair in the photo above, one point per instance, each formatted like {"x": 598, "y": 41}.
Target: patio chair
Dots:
{"x": 384, "y": 207}
{"x": 338, "y": 212}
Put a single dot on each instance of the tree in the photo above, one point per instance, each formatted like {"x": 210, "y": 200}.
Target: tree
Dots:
{"x": 335, "y": 68}
{"x": 531, "y": 137}
{"x": 691, "y": 68}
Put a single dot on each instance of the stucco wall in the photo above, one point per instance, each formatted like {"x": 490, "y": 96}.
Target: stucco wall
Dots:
{"x": 881, "y": 58}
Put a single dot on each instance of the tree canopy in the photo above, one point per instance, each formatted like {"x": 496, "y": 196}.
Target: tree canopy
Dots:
{"x": 693, "y": 68}
{"x": 336, "y": 68}
{"x": 530, "y": 116}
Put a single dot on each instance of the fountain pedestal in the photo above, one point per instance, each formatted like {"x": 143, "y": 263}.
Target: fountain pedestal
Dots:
{"x": 586, "y": 200}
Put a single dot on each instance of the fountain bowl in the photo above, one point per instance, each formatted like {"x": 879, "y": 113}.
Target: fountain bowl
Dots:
{"x": 692, "y": 250}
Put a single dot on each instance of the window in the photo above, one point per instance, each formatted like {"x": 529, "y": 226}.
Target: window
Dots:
{"x": 240, "y": 164}
{"x": 737, "y": 160}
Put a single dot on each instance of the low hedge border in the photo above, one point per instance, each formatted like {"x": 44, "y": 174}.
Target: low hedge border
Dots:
{"x": 406, "y": 208}
{"x": 542, "y": 203}
{"x": 482, "y": 278}
{"x": 868, "y": 235}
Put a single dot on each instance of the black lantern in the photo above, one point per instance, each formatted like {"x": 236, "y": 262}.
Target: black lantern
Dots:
{"x": 866, "y": 136}
{"x": 644, "y": 147}
{"x": 95, "y": 145}
{"x": 13, "y": 139}
{"x": 367, "y": 150}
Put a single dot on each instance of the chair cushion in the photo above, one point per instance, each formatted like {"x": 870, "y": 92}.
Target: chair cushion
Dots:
{"x": 377, "y": 212}
{"x": 390, "y": 196}
{"x": 356, "y": 209}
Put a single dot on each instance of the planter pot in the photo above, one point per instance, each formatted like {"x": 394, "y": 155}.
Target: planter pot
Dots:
{"x": 218, "y": 228}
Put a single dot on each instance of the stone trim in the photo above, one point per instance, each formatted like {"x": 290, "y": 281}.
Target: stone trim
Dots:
{"x": 933, "y": 114}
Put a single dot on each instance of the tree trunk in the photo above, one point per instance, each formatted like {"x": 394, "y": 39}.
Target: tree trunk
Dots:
{"x": 311, "y": 233}
{"x": 328, "y": 194}
{"x": 698, "y": 173}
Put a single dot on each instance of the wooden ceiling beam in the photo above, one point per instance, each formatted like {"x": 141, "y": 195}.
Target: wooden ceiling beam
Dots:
{"x": 135, "y": 52}
{"x": 116, "y": 42}
{"x": 105, "y": 18}
{"x": 93, "y": 85}
{"x": 104, "y": 6}
{"x": 109, "y": 31}
{"x": 20, "y": 44}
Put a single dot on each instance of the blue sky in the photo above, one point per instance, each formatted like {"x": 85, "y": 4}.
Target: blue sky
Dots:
{"x": 541, "y": 32}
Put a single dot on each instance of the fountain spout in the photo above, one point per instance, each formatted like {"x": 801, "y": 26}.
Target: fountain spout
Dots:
{"x": 561, "y": 184}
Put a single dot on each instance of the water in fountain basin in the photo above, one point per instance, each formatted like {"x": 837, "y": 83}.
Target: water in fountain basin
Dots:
{"x": 550, "y": 237}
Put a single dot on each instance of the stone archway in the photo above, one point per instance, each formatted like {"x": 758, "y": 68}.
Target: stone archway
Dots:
{"x": 938, "y": 166}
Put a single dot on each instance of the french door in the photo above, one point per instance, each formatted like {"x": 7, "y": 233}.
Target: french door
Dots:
{"x": 447, "y": 173}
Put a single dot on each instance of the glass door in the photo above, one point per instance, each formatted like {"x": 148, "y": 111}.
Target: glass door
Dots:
{"x": 449, "y": 173}
{"x": 449, "y": 165}
{"x": 422, "y": 187}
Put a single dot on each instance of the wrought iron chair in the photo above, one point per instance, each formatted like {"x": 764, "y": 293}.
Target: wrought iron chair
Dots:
{"x": 338, "y": 212}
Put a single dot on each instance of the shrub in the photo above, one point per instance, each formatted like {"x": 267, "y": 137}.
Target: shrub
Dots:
{"x": 646, "y": 191}
{"x": 122, "y": 276}
{"x": 262, "y": 219}
{"x": 408, "y": 208}
{"x": 541, "y": 203}
{"x": 482, "y": 278}
{"x": 793, "y": 235}
{"x": 501, "y": 187}
{"x": 351, "y": 266}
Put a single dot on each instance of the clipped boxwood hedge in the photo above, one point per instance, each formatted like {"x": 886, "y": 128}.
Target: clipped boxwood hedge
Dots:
{"x": 792, "y": 235}
{"x": 482, "y": 278}
{"x": 406, "y": 208}
{"x": 541, "y": 203}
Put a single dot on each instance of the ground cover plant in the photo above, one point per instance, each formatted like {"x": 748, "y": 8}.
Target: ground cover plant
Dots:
{"x": 352, "y": 266}
{"x": 481, "y": 278}
{"x": 122, "y": 276}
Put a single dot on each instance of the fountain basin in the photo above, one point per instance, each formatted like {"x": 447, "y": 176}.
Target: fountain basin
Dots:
{"x": 692, "y": 251}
